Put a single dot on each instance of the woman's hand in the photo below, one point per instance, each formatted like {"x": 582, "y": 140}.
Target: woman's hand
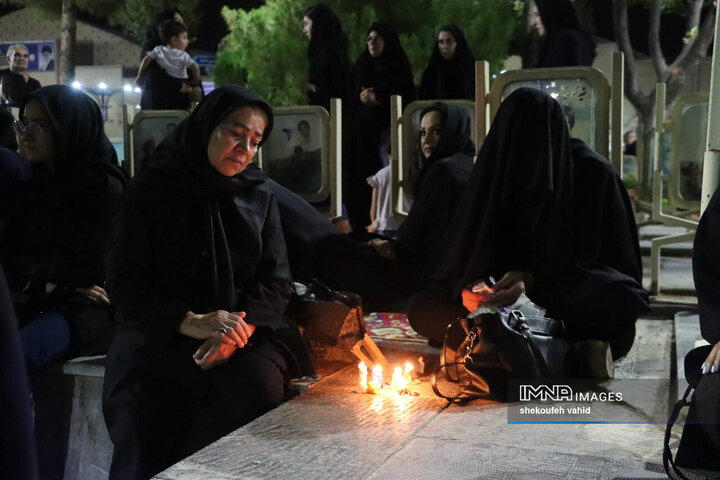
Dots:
{"x": 367, "y": 96}
{"x": 229, "y": 324}
{"x": 712, "y": 362}
{"x": 509, "y": 288}
{"x": 505, "y": 292}
{"x": 214, "y": 351}
{"x": 384, "y": 248}
{"x": 95, "y": 293}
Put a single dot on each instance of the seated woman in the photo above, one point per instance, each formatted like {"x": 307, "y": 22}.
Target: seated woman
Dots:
{"x": 451, "y": 70}
{"x": 54, "y": 252}
{"x": 446, "y": 163}
{"x": 199, "y": 273}
{"x": 547, "y": 217}
{"x": 706, "y": 273}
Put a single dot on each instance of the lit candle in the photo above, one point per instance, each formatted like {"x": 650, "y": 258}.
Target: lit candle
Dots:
{"x": 398, "y": 383}
{"x": 363, "y": 377}
{"x": 378, "y": 376}
{"x": 406, "y": 374}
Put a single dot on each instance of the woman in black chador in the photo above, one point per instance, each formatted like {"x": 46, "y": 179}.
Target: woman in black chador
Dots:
{"x": 450, "y": 74}
{"x": 701, "y": 444}
{"x": 381, "y": 71}
{"x": 54, "y": 253}
{"x": 329, "y": 72}
{"x": 564, "y": 42}
{"x": 199, "y": 273}
{"x": 544, "y": 215}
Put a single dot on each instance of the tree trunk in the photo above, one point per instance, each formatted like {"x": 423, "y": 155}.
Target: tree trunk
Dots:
{"x": 68, "y": 34}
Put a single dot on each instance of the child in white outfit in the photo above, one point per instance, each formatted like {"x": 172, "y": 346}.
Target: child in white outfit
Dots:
{"x": 174, "y": 59}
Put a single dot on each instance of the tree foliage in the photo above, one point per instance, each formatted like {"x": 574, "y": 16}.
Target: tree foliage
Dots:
{"x": 267, "y": 51}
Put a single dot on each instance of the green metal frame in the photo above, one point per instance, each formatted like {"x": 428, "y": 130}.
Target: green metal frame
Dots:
{"x": 674, "y": 174}
{"x": 327, "y": 156}
{"x": 592, "y": 76}
{"x": 132, "y": 123}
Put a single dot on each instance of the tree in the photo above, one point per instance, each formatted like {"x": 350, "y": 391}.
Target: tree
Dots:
{"x": 266, "y": 50}
{"x": 700, "y": 30}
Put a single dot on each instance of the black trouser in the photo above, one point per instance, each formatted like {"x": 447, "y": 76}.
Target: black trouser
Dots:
{"x": 156, "y": 424}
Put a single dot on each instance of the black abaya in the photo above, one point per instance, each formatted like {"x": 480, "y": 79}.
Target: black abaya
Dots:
{"x": 62, "y": 234}
{"x": 388, "y": 74}
{"x": 329, "y": 68}
{"x": 567, "y": 44}
{"x": 190, "y": 239}
{"x": 453, "y": 78}
{"x": 539, "y": 203}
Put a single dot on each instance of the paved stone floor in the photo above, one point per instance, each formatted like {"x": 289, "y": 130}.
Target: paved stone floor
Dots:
{"x": 332, "y": 432}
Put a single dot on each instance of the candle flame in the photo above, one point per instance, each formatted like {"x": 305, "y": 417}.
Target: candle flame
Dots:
{"x": 374, "y": 383}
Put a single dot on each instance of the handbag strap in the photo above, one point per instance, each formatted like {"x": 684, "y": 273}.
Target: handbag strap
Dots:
{"x": 433, "y": 384}
{"x": 668, "y": 461}
{"x": 530, "y": 338}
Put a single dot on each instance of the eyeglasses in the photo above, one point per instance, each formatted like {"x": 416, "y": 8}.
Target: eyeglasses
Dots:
{"x": 33, "y": 129}
{"x": 376, "y": 39}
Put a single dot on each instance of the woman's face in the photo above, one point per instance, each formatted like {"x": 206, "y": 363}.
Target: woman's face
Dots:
{"x": 235, "y": 141}
{"x": 38, "y": 139}
{"x": 307, "y": 27}
{"x": 534, "y": 19}
{"x": 430, "y": 128}
{"x": 446, "y": 45}
{"x": 375, "y": 43}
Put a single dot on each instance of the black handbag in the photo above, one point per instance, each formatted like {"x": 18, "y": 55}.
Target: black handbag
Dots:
{"x": 482, "y": 351}
{"x": 696, "y": 450}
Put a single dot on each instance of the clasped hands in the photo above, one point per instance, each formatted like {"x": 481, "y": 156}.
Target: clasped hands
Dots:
{"x": 367, "y": 96}
{"x": 223, "y": 333}
{"x": 505, "y": 292}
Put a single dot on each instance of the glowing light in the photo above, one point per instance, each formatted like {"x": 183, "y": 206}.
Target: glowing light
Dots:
{"x": 377, "y": 374}
{"x": 77, "y": 85}
{"x": 363, "y": 377}
{"x": 137, "y": 90}
{"x": 554, "y": 95}
{"x": 102, "y": 86}
{"x": 127, "y": 88}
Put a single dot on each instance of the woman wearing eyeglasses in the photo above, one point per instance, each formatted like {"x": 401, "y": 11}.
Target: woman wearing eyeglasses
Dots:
{"x": 54, "y": 252}
{"x": 381, "y": 71}
{"x": 199, "y": 274}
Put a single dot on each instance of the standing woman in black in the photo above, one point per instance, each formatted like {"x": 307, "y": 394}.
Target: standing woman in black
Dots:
{"x": 329, "y": 72}
{"x": 54, "y": 253}
{"x": 450, "y": 73}
{"x": 564, "y": 41}
{"x": 381, "y": 71}
{"x": 199, "y": 273}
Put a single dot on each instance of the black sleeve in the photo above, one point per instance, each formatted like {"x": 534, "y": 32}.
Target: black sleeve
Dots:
{"x": 129, "y": 277}
{"x": 80, "y": 262}
{"x": 426, "y": 91}
{"x": 706, "y": 269}
{"x": 268, "y": 297}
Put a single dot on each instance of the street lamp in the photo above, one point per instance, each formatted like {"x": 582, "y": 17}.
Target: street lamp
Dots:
{"x": 103, "y": 94}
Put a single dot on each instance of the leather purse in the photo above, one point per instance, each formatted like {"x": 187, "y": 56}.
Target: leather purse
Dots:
{"x": 484, "y": 350}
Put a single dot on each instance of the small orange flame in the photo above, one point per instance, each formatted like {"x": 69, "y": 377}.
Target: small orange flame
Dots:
{"x": 401, "y": 380}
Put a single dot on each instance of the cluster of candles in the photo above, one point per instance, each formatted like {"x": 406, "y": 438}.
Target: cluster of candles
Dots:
{"x": 375, "y": 382}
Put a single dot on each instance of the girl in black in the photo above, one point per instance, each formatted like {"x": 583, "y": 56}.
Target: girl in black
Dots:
{"x": 450, "y": 73}
{"x": 54, "y": 253}
{"x": 199, "y": 273}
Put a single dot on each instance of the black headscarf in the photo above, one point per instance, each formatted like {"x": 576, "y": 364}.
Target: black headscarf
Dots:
{"x": 326, "y": 29}
{"x": 453, "y": 78}
{"x": 392, "y": 65}
{"x": 152, "y": 36}
{"x": 517, "y": 210}
{"x": 328, "y": 56}
{"x": 181, "y": 159}
{"x": 566, "y": 42}
{"x": 77, "y": 125}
